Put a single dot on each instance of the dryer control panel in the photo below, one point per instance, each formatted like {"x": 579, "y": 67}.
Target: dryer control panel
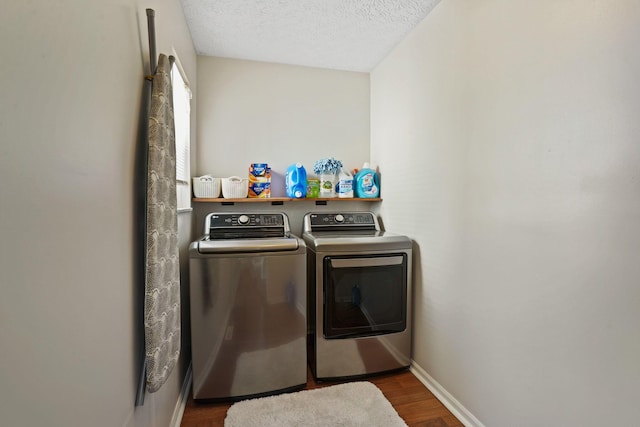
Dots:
{"x": 341, "y": 221}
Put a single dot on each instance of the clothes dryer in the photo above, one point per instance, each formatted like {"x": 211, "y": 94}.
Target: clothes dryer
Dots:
{"x": 359, "y": 295}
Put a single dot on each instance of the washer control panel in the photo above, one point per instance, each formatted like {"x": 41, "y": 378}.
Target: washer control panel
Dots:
{"x": 246, "y": 225}
{"x": 245, "y": 220}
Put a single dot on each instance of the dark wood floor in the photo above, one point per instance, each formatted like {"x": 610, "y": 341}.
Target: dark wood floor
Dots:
{"x": 410, "y": 398}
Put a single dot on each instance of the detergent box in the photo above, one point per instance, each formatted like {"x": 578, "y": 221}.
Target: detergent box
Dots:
{"x": 259, "y": 172}
{"x": 260, "y": 189}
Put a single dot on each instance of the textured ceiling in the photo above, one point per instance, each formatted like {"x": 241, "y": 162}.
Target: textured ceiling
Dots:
{"x": 351, "y": 35}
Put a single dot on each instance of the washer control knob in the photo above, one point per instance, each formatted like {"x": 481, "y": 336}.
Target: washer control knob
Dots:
{"x": 339, "y": 218}
{"x": 243, "y": 220}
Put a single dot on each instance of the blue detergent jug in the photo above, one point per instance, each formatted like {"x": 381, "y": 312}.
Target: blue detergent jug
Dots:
{"x": 366, "y": 183}
{"x": 295, "y": 181}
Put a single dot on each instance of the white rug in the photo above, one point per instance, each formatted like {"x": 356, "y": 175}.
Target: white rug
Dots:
{"x": 356, "y": 404}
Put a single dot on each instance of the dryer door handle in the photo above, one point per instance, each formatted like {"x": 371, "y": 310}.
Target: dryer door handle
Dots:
{"x": 366, "y": 262}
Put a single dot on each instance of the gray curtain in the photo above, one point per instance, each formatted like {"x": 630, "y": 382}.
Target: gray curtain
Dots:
{"x": 162, "y": 274}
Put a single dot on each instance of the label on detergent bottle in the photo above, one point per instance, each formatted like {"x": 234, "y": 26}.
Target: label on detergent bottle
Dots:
{"x": 344, "y": 188}
{"x": 368, "y": 184}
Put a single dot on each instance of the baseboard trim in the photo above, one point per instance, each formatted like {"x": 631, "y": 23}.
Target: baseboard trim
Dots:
{"x": 178, "y": 411}
{"x": 451, "y": 403}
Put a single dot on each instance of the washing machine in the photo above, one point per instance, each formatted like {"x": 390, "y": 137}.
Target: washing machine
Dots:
{"x": 359, "y": 295}
{"x": 248, "y": 307}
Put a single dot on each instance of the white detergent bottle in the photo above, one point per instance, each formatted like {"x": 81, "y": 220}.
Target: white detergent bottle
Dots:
{"x": 344, "y": 187}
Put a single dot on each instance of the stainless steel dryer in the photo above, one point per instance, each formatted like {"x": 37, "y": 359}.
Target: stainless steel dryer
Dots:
{"x": 359, "y": 290}
{"x": 248, "y": 307}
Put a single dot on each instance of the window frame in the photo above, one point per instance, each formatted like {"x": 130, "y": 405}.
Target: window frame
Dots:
{"x": 182, "y": 132}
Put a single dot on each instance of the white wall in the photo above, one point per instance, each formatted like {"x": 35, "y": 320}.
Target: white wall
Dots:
{"x": 71, "y": 84}
{"x": 258, "y": 112}
{"x": 508, "y": 136}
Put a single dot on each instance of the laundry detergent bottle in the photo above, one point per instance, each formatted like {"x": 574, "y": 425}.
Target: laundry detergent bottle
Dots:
{"x": 366, "y": 183}
{"x": 344, "y": 187}
{"x": 295, "y": 181}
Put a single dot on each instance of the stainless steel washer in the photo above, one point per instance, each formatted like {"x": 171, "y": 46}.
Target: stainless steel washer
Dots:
{"x": 248, "y": 307}
{"x": 359, "y": 288}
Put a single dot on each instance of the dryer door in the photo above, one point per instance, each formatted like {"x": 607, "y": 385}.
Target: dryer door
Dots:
{"x": 364, "y": 295}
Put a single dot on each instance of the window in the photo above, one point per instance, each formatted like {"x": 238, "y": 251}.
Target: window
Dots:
{"x": 182, "y": 119}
